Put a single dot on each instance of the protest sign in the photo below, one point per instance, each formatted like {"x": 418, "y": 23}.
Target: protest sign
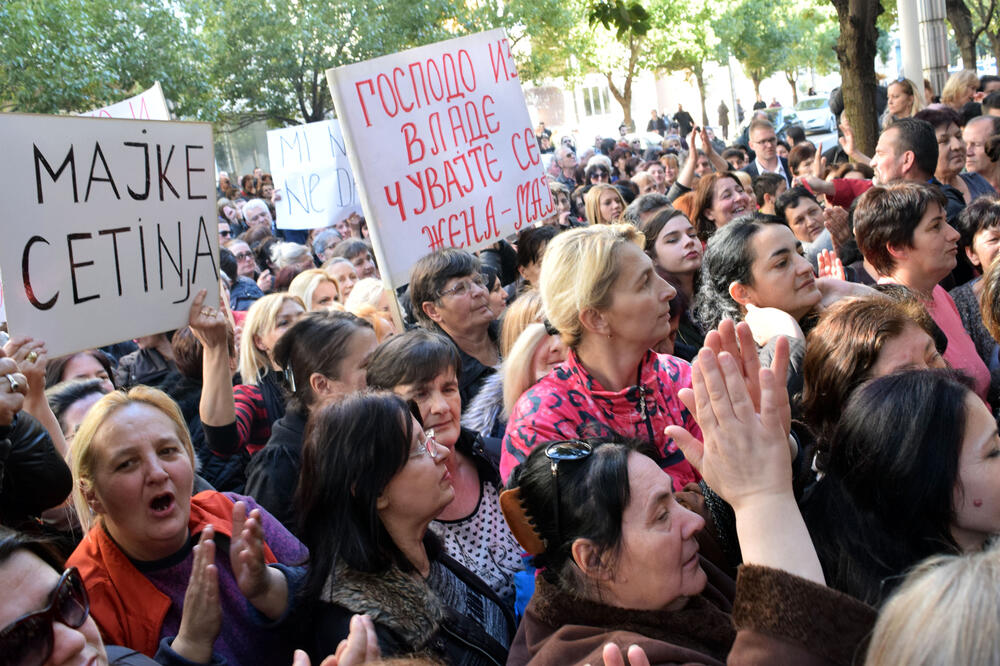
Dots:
{"x": 442, "y": 147}
{"x": 111, "y": 227}
{"x": 147, "y": 105}
{"x": 309, "y": 165}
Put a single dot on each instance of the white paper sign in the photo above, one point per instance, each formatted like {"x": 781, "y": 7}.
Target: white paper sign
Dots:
{"x": 111, "y": 227}
{"x": 147, "y": 105}
{"x": 442, "y": 147}
{"x": 310, "y": 166}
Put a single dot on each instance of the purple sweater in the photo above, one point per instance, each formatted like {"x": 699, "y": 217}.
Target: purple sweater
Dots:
{"x": 247, "y": 637}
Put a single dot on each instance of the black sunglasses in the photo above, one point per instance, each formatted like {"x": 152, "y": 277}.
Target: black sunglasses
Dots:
{"x": 29, "y": 640}
{"x": 565, "y": 451}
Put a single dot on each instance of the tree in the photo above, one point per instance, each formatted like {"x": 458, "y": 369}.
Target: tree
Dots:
{"x": 61, "y": 56}
{"x": 810, "y": 35}
{"x": 856, "y": 50}
{"x": 752, "y": 32}
{"x": 965, "y": 35}
{"x": 685, "y": 42}
{"x": 269, "y": 59}
{"x": 984, "y": 15}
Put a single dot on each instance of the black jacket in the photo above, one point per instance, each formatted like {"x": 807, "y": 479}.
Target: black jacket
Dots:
{"x": 273, "y": 472}
{"x": 752, "y": 170}
{"x": 410, "y": 617}
{"x": 33, "y": 476}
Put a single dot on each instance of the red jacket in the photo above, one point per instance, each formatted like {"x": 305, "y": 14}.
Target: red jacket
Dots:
{"x": 127, "y": 607}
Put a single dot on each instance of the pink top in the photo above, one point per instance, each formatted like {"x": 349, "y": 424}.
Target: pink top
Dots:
{"x": 961, "y": 353}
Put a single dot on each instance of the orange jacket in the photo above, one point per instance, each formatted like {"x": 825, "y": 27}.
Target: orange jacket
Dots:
{"x": 128, "y": 609}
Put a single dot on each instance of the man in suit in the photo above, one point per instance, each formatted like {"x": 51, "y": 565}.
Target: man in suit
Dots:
{"x": 764, "y": 142}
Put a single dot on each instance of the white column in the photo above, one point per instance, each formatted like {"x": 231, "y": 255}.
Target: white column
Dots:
{"x": 909, "y": 42}
{"x": 934, "y": 42}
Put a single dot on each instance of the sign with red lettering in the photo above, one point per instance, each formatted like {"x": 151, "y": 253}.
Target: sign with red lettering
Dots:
{"x": 111, "y": 227}
{"x": 147, "y": 105}
{"x": 310, "y": 166}
{"x": 442, "y": 147}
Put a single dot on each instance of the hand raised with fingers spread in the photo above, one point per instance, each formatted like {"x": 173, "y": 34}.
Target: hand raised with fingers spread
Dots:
{"x": 263, "y": 586}
{"x": 201, "y": 616}
{"x": 835, "y": 219}
{"x": 818, "y": 167}
{"x": 744, "y": 455}
{"x": 738, "y": 341}
{"x": 208, "y": 324}
{"x": 830, "y": 265}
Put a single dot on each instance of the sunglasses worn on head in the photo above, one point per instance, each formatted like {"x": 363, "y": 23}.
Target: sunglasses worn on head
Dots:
{"x": 564, "y": 451}
{"x": 28, "y": 641}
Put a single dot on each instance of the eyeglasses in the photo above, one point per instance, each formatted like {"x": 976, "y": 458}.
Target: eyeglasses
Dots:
{"x": 769, "y": 141}
{"x": 428, "y": 446}
{"x": 29, "y": 639}
{"x": 463, "y": 287}
{"x": 565, "y": 451}
{"x": 226, "y": 233}
{"x": 243, "y": 256}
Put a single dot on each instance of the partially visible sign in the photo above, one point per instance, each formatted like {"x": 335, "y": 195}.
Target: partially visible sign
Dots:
{"x": 309, "y": 165}
{"x": 147, "y": 105}
{"x": 111, "y": 227}
{"x": 442, "y": 146}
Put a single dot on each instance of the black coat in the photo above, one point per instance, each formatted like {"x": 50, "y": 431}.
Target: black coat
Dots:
{"x": 33, "y": 476}
{"x": 273, "y": 472}
{"x": 752, "y": 170}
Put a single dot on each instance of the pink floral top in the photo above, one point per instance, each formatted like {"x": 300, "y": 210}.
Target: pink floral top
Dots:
{"x": 569, "y": 403}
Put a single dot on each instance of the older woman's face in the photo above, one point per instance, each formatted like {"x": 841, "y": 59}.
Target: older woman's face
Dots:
{"x": 142, "y": 482}
{"x": 464, "y": 304}
{"x": 422, "y": 488}
{"x": 345, "y": 276}
{"x": 658, "y": 568}
{"x": 912, "y": 349}
{"x": 246, "y": 265}
{"x": 951, "y": 150}
{"x": 440, "y": 405}
{"x": 324, "y": 295}
{"x": 28, "y": 584}
{"x": 639, "y": 312}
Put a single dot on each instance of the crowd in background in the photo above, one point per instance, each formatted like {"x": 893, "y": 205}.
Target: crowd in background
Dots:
{"x": 727, "y": 404}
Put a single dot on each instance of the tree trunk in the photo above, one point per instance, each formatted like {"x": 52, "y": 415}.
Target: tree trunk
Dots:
{"x": 623, "y": 97}
{"x": 793, "y": 82}
{"x": 756, "y": 85}
{"x": 699, "y": 76}
{"x": 856, "y": 51}
{"x": 960, "y": 19}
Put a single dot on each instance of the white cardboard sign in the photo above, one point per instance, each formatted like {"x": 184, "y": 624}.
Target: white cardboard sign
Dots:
{"x": 147, "y": 105}
{"x": 111, "y": 227}
{"x": 442, "y": 146}
{"x": 310, "y": 166}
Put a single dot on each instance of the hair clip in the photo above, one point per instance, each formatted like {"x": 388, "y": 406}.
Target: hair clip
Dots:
{"x": 521, "y": 525}
{"x": 549, "y": 328}
{"x": 290, "y": 377}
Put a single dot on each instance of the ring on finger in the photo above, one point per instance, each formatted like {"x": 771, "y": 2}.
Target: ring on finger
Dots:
{"x": 14, "y": 384}
{"x": 32, "y": 356}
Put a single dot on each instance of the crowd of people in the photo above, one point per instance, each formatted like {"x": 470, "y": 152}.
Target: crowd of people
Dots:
{"x": 727, "y": 404}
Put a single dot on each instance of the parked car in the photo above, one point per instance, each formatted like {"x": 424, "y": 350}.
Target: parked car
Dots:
{"x": 815, "y": 114}
{"x": 780, "y": 117}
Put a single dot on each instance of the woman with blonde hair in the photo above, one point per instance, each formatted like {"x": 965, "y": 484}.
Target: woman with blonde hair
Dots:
{"x": 604, "y": 204}
{"x": 149, "y": 589}
{"x": 315, "y": 288}
{"x": 903, "y": 101}
{"x": 536, "y": 352}
{"x": 946, "y": 612}
{"x": 240, "y": 417}
{"x": 370, "y": 291}
{"x": 959, "y": 90}
{"x": 603, "y": 295}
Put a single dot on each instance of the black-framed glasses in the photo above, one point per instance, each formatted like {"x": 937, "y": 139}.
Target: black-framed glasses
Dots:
{"x": 29, "y": 639}
{"x": 565, "y": 451}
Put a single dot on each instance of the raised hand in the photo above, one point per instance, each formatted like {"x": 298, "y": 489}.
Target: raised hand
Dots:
{"x": 264, "y": 587}
{"x": 201, "y": 616}
{"x": 830, "y": 265}
{"x": 31, "y": 358}
{"x": 738, "y": 341}
{"x": 207, "y": 323}
{"x": 745, "y": 454}
{"x": 836, "y": 222}
{"x": 13, "y": 387}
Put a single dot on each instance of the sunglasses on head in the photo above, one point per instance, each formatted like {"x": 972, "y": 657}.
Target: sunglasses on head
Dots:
{"x": 29, "y": 640}
{"x": 564, "y": 451}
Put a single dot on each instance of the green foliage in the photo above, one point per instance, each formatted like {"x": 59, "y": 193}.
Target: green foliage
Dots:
{"x": 627, "y": 19}
{"x": 70, "y": 56}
